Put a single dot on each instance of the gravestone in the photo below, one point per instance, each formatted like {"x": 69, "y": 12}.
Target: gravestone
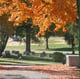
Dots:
{"x": 33, "y": 53}
{"x": 19, "y": 56}
{"x": 72, "y": 60}
{"x": 6, "y": 54}
{"x": 43, "y": 54}
{"x": 17, "y": 53}
{"x": 50, "y": 55}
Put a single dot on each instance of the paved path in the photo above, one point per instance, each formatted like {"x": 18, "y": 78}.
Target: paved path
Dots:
{"x": 34, "y": 72}
{"x": 21, "y": 74}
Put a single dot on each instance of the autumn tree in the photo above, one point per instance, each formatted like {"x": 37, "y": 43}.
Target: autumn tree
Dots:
{"x": 42, "y": 12}
{"x": 3, "y": 40}
{"x": 5, "y": 31}
{"x": 71, "y": 36}
{"x": 48, "y": 33}
{"x": 29, "y": 33}
{"x": 59, "y": 12}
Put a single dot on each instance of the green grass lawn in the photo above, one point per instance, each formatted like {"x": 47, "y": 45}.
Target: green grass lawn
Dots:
{"x": 12, "y": 61}
{"x": 55, "y": 44}
{"x": 38, "y": 48}
{"x": 64, "y": 48}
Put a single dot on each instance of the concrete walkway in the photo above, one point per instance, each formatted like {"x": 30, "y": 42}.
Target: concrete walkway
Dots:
{"x": 21, "y": 74}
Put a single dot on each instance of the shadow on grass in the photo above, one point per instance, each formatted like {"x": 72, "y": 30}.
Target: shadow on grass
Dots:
{"x": 30, "y": 58}
{"x": 9, "y": 61}
{"x": 61, "y": 49}
{"x": 57, "y": 49}
{"x": 24, "y": 58}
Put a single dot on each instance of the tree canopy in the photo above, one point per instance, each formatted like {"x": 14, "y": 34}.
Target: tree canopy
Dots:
{"x": 42, "y": 12}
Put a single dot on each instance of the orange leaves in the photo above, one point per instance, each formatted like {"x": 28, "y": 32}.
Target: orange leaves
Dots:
{"x": 64, "y": 10}
{"x": 48, "y": 1}
{"x": 5, "y": 1}
{"x": 1, "y": 1}
{"x": 42, "y": 12}
{"x": 1, "y": 11}
{"x": 6, "y": 25}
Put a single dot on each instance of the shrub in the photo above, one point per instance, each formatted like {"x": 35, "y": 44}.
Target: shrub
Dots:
{"x": 59, "y": 57}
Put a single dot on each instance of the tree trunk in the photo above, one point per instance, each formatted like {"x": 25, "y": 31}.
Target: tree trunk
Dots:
{"x": 47, "y": 46}
{"x": 77, "y": 21}
{"x": 73, "y": 46}
{"x": 3, "y": 45}
{"x": 73, "y": 49}
{"x": 28, "y": 46}
{"x": 78, "y": 6}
